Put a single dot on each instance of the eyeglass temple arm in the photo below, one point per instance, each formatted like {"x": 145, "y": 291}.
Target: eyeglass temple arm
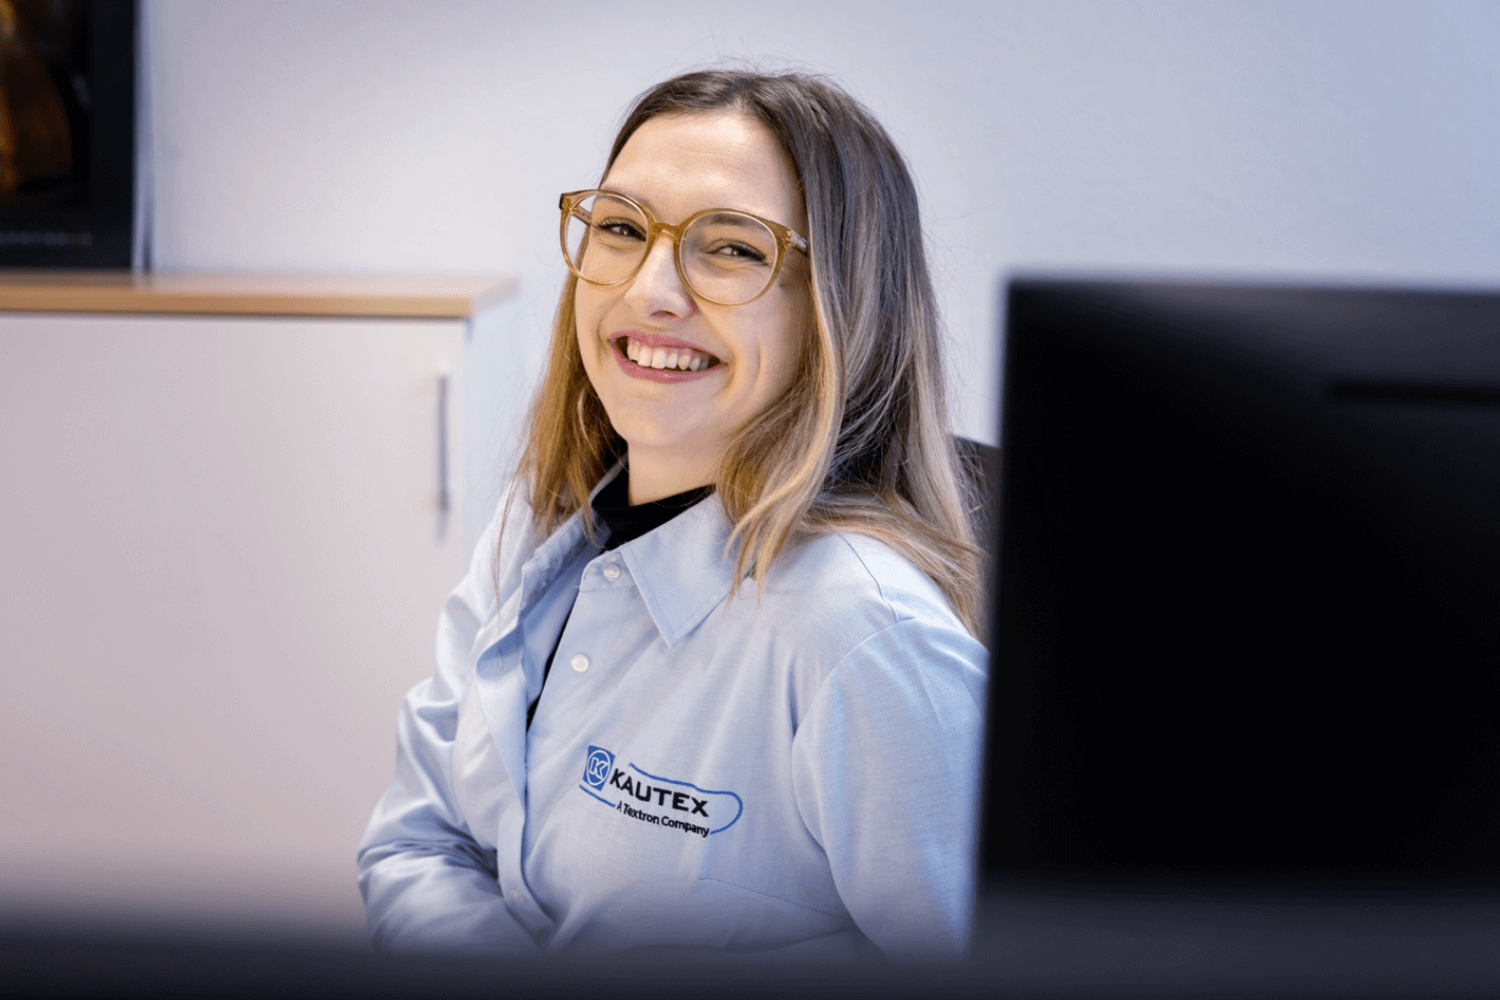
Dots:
{"x": 575, "y": 210}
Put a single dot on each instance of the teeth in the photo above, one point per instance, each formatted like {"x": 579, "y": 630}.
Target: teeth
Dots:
{"x": 677, "y": 358}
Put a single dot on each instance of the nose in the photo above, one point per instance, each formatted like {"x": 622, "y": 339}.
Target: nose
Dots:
{"x": 657, "y": 289}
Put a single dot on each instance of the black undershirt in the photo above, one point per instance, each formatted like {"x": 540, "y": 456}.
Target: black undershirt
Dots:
{"x": 626, "y": 523}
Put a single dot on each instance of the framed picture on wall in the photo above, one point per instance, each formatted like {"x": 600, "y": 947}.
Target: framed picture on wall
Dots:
{"x": 67, "y": 132}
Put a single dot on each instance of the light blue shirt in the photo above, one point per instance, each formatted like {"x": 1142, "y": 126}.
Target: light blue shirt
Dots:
{"x": 710, "y": 765}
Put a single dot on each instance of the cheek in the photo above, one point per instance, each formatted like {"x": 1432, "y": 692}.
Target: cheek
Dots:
{"x": 778, "y": 350}
{"x": 586, "y": 315}
{"x": 585, "y": 323}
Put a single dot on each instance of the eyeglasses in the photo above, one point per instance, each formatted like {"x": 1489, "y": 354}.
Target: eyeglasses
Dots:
{"x": 725, "y": 257}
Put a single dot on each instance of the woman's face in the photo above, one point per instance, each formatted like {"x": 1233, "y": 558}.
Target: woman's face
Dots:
{"x": 675, "y": 420}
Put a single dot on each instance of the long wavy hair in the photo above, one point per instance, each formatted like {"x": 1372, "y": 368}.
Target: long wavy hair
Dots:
{"x": 860, "y": 442}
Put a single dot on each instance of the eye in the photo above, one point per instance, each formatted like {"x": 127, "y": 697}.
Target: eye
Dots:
{"x": 738, "y": 251}
{"x": 624, "y": 229}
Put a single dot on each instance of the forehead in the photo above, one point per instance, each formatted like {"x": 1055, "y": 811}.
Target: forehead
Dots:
{"x": 676, "y": 165}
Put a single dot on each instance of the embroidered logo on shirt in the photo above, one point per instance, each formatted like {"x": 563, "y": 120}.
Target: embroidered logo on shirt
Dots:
{"x": 686, "y": 807}
{"x": 597, "y": 771}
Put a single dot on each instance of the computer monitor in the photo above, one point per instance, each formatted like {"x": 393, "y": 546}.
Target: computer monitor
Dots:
{"x": 1246, "y": 607}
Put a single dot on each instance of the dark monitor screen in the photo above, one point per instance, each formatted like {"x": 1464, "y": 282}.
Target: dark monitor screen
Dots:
{"x": 1247, "y": 601}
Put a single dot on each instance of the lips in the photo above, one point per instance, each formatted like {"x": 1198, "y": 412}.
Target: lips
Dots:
{"x": 658, "y": 358}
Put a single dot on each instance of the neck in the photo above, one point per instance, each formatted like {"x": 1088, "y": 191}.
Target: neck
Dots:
{"x": 654, "y": 475}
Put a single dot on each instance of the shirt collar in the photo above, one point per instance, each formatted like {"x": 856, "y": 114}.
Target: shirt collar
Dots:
{"x": 549, "y": 559}
{"x": 560, "y": 548}
{"x": 682, "y": 568}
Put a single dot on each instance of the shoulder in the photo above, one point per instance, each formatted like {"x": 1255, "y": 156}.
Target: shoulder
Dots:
{"x": 842, "y": 589}
{"x": 842, "y": 571}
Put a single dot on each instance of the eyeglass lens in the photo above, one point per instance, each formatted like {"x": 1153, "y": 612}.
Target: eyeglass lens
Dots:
{"x": 726, "y": 257}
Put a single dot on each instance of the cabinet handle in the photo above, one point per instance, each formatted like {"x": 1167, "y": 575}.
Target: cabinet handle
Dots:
{"x": 445, "y": 497}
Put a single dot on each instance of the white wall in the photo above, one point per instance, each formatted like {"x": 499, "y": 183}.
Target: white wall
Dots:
{"x": 1347, "y": 140}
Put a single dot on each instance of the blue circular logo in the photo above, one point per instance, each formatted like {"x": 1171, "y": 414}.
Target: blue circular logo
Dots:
{"x": 596, "y": 772}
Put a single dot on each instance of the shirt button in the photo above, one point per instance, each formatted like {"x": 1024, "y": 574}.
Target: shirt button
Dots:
{"x": 611, "y": 572}
{"x": 580, "y": 663}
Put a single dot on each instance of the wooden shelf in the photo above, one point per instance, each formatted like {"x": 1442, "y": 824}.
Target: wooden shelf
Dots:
{"x": 209, "y": 293}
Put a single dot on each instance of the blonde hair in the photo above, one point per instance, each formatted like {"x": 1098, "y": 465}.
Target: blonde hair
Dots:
{"x": 860, "y": 442}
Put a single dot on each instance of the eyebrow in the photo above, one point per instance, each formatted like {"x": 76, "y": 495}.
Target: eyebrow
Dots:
{"x": 643, "y": 202}
{"x": 646, "y": 204}
{"x": 734, "y": 217}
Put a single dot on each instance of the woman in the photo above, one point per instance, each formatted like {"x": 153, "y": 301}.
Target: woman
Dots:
{"x": 711, "y": 680}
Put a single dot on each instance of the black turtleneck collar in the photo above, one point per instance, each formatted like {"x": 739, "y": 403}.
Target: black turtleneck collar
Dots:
{"x": 627, "y": 523}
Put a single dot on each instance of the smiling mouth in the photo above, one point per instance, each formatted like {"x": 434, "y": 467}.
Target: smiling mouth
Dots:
{"x": 682, "y": 359}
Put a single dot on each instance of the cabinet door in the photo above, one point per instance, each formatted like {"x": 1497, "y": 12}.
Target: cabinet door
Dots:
{"x": 224, "y": 556}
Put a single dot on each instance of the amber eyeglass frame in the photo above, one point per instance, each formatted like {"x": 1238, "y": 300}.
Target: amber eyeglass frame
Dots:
{"x": 569, "y": 203}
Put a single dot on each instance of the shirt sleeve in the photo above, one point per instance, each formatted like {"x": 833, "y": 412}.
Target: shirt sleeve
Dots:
{"x": 427, "y": 884}
{"x": 886, "y": 774}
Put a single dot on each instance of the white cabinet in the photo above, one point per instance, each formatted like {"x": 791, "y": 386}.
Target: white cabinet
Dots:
{"x": 223, "y": 550}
